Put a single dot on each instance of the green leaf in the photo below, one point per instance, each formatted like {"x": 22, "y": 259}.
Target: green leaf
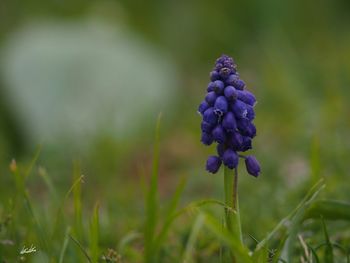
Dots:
{"x": 240, "y": 252}
{"x": 170, "y": 211}
{"x": 197, "y": 225}
{"x": 329, "y": 209}
{"x": 94, "y": 234}
{"x": 152, "y": 202}
{"x": 329, "y": 248}
{"x": 76, "y": 187}
{"x": 81, "y": 247}
{"x": 297, "y": 220}
{"x": 309, "y": 197}
{"x": 65, "y": 245}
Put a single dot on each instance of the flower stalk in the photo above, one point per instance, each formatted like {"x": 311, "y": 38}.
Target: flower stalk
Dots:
{"x": 233, "y": 221}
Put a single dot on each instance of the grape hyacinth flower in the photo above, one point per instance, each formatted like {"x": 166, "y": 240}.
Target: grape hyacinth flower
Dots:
{"x": 228, "y": 114}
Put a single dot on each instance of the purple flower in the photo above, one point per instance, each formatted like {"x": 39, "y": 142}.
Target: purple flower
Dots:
{"x": 250, "y": 113}
{"x": 246, "y": 127}
{"x": 218, "y": 86}
{"x": 206, "y": 127}
{"x": 211, "y": 86}
{"x": 229, "y": 122}
{"x": 228, "y": 112}
{"x": 220, "y": 106}
{"x": 213, "y": 164}
{"x": 225, "y": 61}
{"x": 246, "y": 96}
{"x": 220, "y": 148}
{"x": 214, "y": 75}
{"x": 219, "y": 134}
{"x": 246, "y": 144}
{"x": 230, "y": 93}
{"x": 203, "y": 107}
{"x": 211, "y": 97}
{"x": 252, "y": 165}
{"x": 230, "y": 159}
{"x": 232, "y": 79}
{"x": 239, "y": 108}
{"x": 225, "y": 72}
{"x": 207, "y": 138}
{"x": 239, "y": 84}
{"x": 236, "y": 141}
{"x": 210, "y": 117}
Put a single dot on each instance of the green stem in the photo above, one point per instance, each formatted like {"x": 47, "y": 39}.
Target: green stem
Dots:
{"x": 233, "y": 221}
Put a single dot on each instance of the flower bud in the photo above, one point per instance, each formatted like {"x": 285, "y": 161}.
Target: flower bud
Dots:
{"x": 229, "y": 122}
{"x": 214, "y": 75}
{"x": 239, "y": 84}
{"x": 221, "y": 106}
{"x": 219, "y": 134}
{"x": 250, "y": 113}
{"x": 236, "y": 141}
{"x": 239, "y": 108}
{"x": 246, "y": 96}
{"x": 230, "y": 158}
{"x": 213, "y": 164}
{"x": 207, "y": 138}
{"x": 203, "y": 107}
{"x": 210, "y": 87}
{"x": 252, "y": 165}
{"x": 230, "y": 93}
{"x": 246, "y": 144}
{"x": 211, "y": 97}
{"x": 206, "y": 127}
{"x": 210, "y": 117}
{"x": 231, "y": 80}
{"x": 219, "y": 86}
{"x": 246, "y": 127}
{"x": 225, "y": 72}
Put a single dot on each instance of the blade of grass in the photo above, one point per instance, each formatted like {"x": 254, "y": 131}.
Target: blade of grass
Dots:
{"x": 279, "y": 249}
{"x": 127, "y": 239}
{"x": 44, "y": 242}
{"x": 33, "y": 162}
{"x": 240, "y": 252}
{"x": 58, "y": 217}
{"x": 315, "y": 159}
{"x": 328, "y": 256}
{"x": 308, "y": 197}
{"x": 65, "y": 245}
{"x": 190, "y": 246}
{"x": 152, "y": 202}
{"x": 314, "y": 254}
{"x": 94, "y": 234}
{"x": 78, "y": 226}
{"x": 170, "y": 211}
{"x": 47, "y": 180}
{"x": 329, "y": 209}
{"x": 80, "y": 246}
{"x": 295, "y": 224}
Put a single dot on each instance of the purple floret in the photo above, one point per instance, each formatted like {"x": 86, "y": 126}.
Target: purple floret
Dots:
{"x": 213, "y": 164}
{"x": 230, "y": 159}
{"x": 252, "y": 165}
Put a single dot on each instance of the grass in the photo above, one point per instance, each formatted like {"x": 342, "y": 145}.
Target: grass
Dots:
{"x": 62, "y": 231}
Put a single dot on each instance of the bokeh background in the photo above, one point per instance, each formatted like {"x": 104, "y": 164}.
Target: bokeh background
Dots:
{"x": 87, "y": 80}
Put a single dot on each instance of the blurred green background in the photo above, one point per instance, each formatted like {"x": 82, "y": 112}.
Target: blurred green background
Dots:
{"x": 87, "y": 79}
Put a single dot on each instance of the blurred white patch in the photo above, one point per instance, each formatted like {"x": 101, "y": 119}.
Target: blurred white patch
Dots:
{"x": 295, "y": 171}
{"x": 76, "y": 79}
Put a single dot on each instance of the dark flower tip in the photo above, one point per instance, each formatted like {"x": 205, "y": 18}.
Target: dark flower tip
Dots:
{"x": 252, "y": 165}
{"x": 213, "y": 164}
